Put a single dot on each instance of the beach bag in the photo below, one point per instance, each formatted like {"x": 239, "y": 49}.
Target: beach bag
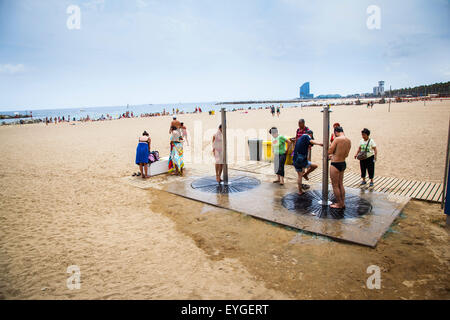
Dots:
{"x": 153, "y": 156}
{"x": 300, "y": 161}
{"x": 362, "y": 155}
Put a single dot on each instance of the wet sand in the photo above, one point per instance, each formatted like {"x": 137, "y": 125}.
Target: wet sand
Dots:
{"x": 63, "y": 203}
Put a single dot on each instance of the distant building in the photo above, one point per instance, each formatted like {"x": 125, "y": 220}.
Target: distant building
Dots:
{"x": 380, "y": 89}
{"x": 304, "y": 91}
{"x": 329, "y": 96}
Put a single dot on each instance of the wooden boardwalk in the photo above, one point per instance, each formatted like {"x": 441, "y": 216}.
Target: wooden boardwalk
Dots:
{"x": 420, "y": 190}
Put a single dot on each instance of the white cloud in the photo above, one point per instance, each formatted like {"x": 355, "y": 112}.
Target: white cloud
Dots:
{"x": 11, "y": 69}
{"x": 94, "y": 5}
{"x": 141, "y": 4}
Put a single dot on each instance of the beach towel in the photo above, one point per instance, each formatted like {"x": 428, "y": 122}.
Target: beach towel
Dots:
{"x": 176, "y": 156}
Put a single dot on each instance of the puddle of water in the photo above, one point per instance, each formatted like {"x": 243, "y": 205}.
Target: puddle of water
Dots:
{"x": 306, "y": 238}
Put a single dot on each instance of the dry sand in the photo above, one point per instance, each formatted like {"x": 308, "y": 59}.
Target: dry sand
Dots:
{"x": 63, "y": 203}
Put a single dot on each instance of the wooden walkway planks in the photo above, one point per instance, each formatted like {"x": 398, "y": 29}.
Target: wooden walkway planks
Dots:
{"x": 437, "y": 195}
{"x": 420, "y": 190}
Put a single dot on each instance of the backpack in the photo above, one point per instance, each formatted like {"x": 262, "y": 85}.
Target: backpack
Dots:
{"x": 153, "y": 156}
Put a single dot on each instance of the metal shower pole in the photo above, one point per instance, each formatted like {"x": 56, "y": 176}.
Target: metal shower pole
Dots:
{"x": 326, "y": 134}
{"x": 444, "y": 189}
{"x": 224, "y": 145}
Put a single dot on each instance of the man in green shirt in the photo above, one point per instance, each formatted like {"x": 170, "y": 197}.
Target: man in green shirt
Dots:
{"x": 279, "y": 154}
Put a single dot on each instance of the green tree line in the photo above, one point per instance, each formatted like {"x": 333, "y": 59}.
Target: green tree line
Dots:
{"x": 441, "y": 88}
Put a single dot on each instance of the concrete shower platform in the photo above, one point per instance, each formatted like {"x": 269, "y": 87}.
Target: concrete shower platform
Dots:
{"x": 266, "y": 201}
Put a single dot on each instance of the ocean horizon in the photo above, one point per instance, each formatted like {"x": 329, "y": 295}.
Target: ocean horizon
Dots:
{"x": 116, "y": 111}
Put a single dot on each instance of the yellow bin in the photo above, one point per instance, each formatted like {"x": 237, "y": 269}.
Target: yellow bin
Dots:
{"x": 267, "y": 152}
{"x": 289, "y": 153}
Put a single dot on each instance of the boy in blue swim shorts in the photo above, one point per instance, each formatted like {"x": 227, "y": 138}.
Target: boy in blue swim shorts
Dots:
{"x": 300, "y": 158}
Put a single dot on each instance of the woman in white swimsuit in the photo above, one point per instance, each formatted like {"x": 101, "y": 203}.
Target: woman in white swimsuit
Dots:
{"x": 218, "y": 152}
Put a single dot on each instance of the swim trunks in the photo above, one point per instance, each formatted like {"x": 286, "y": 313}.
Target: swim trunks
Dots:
{"x": 341, "y": 166}
{"x": 300, "y": 169}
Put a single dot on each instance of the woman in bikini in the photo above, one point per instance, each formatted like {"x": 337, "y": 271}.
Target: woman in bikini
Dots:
{"x": 184, "y": 133}
{"x": 218, "y": 154}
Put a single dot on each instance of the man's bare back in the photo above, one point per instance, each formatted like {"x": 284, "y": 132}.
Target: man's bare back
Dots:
{"x": 175, "y": 123}
{"x": 340, "y": 148}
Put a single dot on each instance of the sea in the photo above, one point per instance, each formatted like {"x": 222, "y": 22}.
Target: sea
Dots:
{"x": 116, "y": 111}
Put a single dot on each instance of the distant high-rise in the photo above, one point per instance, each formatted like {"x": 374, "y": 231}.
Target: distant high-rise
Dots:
{"x": 304, "y": 91}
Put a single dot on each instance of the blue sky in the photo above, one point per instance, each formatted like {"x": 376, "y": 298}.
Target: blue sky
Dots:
{"x": 151, "y": 51}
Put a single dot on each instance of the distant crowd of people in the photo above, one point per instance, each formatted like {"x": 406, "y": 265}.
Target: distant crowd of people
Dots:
{"x": 57, "y": 120}
{"x": 124, "y": 115}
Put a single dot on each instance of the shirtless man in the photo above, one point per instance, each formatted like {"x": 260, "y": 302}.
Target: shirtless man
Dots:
{"x": 174, "y": 123}
{"x": 338, "y": 152}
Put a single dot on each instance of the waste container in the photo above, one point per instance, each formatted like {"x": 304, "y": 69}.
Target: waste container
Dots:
{"x": 255, "y": 149}
{"x": 289, "y": 152}
{"x": 267, "y": 150}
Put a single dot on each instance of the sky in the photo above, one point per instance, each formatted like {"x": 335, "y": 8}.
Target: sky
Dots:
{"x": 170, "y": 51}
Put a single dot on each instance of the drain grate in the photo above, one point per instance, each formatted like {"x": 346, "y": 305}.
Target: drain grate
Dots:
{"x": 235, "y": 184}
{"x": 308, "y": 204}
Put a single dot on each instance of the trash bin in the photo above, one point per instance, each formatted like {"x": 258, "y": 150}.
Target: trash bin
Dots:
{"x": 289, "y": 152}
{"x": 255, "y": 149}
{"x": 267, "y": 150}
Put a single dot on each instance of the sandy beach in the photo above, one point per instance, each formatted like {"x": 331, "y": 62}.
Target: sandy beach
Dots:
{"x": 63, "y": 202}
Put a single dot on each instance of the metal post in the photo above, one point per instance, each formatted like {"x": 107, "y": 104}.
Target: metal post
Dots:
{"x": 444, "y": 189}
{"x": 326, "y": 136}
{"x": 390, "y": 89}
{"x": 425, "y": 97}
{"x": 224, "y": 146}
